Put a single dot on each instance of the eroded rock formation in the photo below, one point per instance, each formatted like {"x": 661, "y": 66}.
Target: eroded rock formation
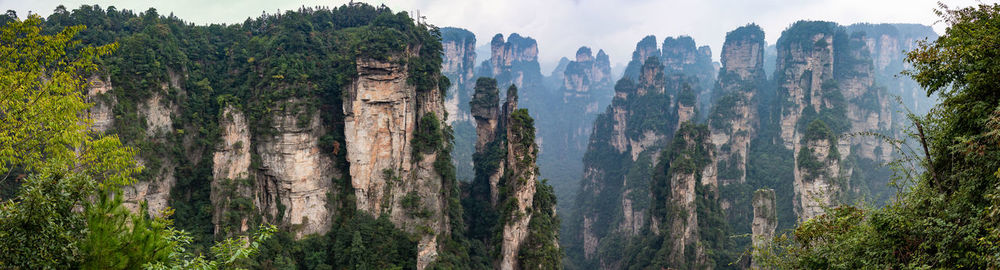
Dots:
{"x": 382, "y": 116}
{"x": 506, "y": 155}
{"x": 734, "y": 117}
{"x": 765, "y": 221}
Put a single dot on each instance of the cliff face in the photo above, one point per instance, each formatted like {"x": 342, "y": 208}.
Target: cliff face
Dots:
{"x": 231, "y": 189}
{"x": 689, "y": 158}
{"x": 887, "y": 44}
{"x": 827, "y": 80}
{"x": 381, "y": 120}
{"x": 765, "y": 221}
{"x": 458, "y": 64}
{"x": 486, "y": 110}
{"x": 294, "y": 177}
{"x": 101, "y": 115}
{"x": 156, "y": 113}
{"x": 459, "y": 61}
{"x": 519, "y": 182}
{"x": 584, "y": 76}
{"x": 505, "y": 166}
{"x": 805, "y": 78}
{"x": 733, "y": 119}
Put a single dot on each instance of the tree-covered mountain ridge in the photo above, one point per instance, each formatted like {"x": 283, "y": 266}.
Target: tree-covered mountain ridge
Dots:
{"x": 322, "y": 138}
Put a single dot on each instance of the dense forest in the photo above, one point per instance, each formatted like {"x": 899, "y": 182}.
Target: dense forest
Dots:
{"x": 175, "y": 94}
{"x": 356, "y": 137}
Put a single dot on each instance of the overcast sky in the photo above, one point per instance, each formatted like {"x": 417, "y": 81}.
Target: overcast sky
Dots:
{"x": 562, "y": 26}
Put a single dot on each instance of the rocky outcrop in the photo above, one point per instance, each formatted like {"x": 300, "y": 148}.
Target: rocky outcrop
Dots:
{"x": 158, "y": 112}
{"x": 232, "y": 186}
{"x": 807, "y": 54}
{"x": 689, "y": 158}
{"x": 381, "y": 120}
{"x": 564, "y": 123}
{"x": 520, "y": 179}
{"x": 486, "y": 111}
{"x": 765, "y": 222}
{"x": 887, "y": 44}
{"x": 506, "y": 159}
{"x": 458, "y": 64}
{"x": 805, "y": 62}
{"x": 681, "y": 55}
{"x": 734, "y": 117}
{"x": 645, "y": 49}
{"x": 828, "y": 76}
{"x": 294, "y": 178}
{"x": 583, "y": 75}
{"x": 100, "y": 113}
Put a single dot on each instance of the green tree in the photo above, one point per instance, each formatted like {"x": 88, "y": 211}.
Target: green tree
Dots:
{"x": 44, "y": 139}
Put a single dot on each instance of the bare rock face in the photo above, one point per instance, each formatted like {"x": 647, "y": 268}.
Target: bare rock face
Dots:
{"x": 734, "y": 117}
{"x": 485, "y": 109}
{"x": 514, "y": 61}
{"x": 645, "y": 49}
{"x": 101, "y": 115}
{"x": 886, "y": 44}
{"x": 231, "y": 172}
{"x": 815, "y": 177}
{"x": 158, "y": 112}
{"x": 295, "y": 177}
{"x": 511, "y": 177}
{"x": 681, "y": 55}
{"x": 810, "y": 56}
{"x": 459, "y": 60}
{"x": 381, "y": 117}
{"x": 379, "y": 124}
{"x": 809, "y": 65}
{"x": 765, "y": 221}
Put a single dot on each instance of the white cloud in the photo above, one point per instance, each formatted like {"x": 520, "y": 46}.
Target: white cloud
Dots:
{"x": 562, "y": 26}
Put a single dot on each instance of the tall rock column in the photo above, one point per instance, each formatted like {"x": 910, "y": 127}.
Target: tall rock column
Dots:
{"x": 486, "y": 111}
{"x": 458, "y": 64}
{"x": 689, "y": 158}
{"x": 526, "y": 226}
{"x": 804, "y": 74}
{"x": 391, "y": 173}
{"x": 232, "y": 184}
{"x": 765, "y": 221}
{"x": 734, "y": 117}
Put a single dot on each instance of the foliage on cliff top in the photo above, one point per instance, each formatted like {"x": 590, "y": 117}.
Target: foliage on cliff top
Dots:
{"x": 750, "y": 32}
{"x": 486, "y": 95}
{"x": 454, "y": 34}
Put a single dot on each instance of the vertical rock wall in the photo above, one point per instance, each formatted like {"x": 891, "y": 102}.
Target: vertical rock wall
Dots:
{"x": 381, "y": 115}
{"x": 734, "y": 117}
{"x": 805, "y": 78}
{"x": 295, "y": 178}
{"x": 765, "y": 221}
{"x": 231, "y": 186}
